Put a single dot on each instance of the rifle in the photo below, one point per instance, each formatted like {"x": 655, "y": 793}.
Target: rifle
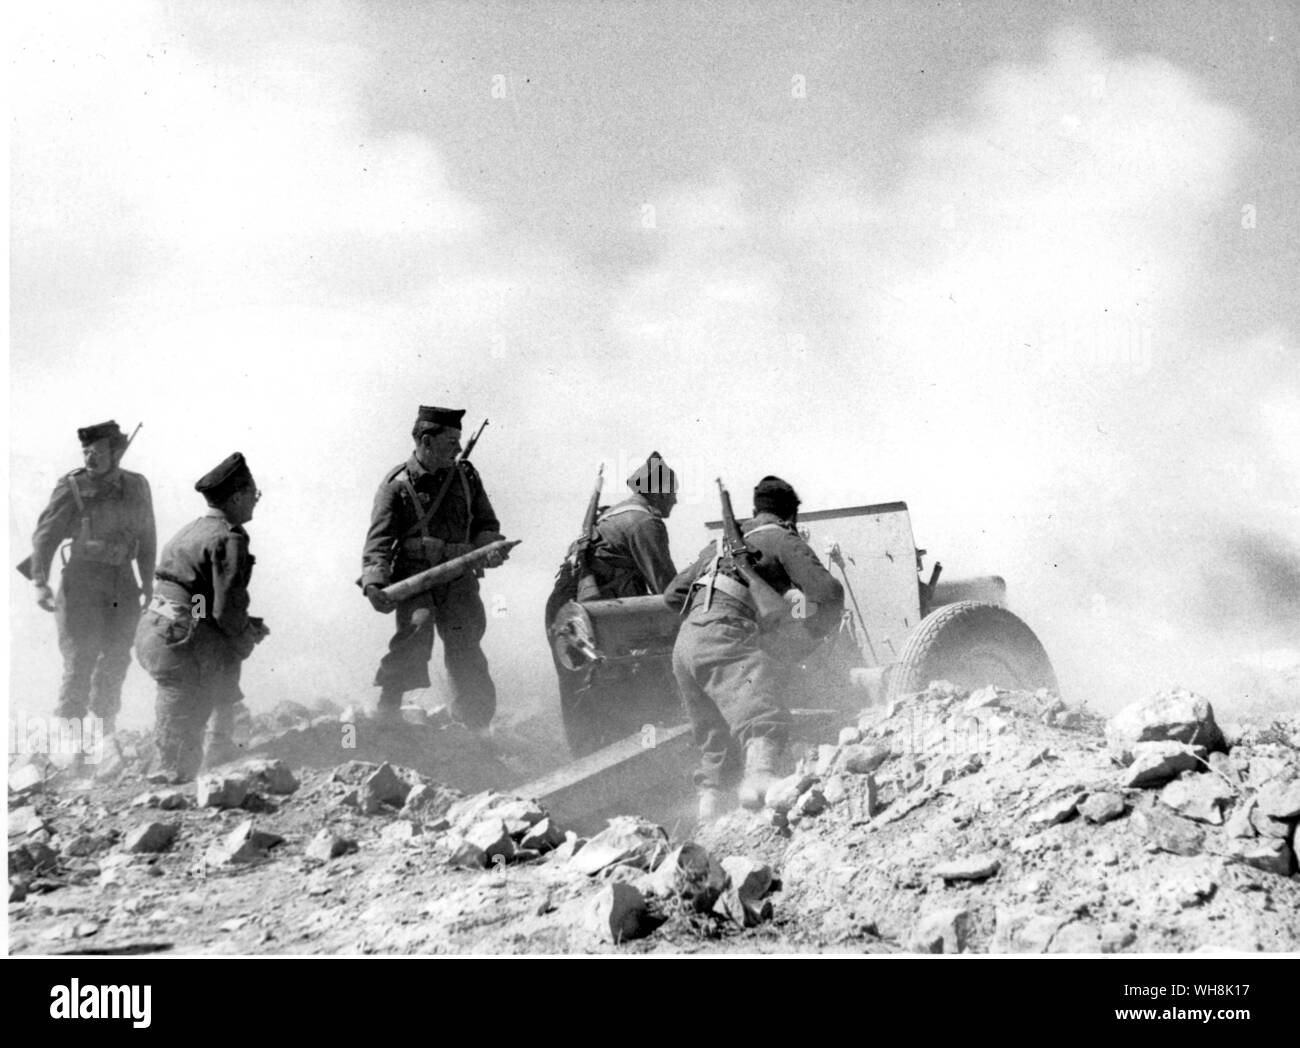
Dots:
{"x": 464, "y": 455}
{"x": 25, "y": 567}
{"x": 587, "y": 588}
{"x": 771, "y": 606}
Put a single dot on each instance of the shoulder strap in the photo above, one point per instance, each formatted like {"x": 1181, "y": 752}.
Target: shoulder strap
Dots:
{"x": 422, "y": 525}
{"x": 469, "y": 501}
{"x": 71, "y": 478}
{"x": 618, "y": 511}
{"x": 765, "y": 527}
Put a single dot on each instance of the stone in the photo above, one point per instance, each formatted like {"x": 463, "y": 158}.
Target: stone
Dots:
{"x": 1267, "y": 853}
{"x": 1156, "y": 763}
{"x": 428, "y": 803}
{"x": 1076, "y": 937}
{"x": 570, "y": 847}
{"x": 626, "y": 841}
{"x": 1035, "y": 757}
{"x": 1024, "y": 931}
{"x": 782, "y": 794}
{"x": 616, "y": 914}
{"x": 942, "y": 931}
{"x": 85, "y": 844}
{"x": 492, "y": 838}
{"x": 984, "y": 698}
{"x": 400, "y": 832}
{"x": 1176, "y": 715}
{"x": 353, "y": 773}
{"x": 466, "y": 855}
{"x": 968, "y": 868}
{"x": 733, "y": 906}
{"x": 150, "y": 837}
{"x": 519, "y": 815}
{"x": 1199, "y": 797}
{"x": 1103, "y": 807}
{"x": 1114, "y": 936}
{"x": 270, "y": 776}
{"x": 1281, "y": 800}
{"x": 24, "y": 820}
{"x": 870, "y": 797}
{"x": 166, "y": 800}
{"x": 244, "y": 843}
{"x": 863, "y": 759}
{"x": 750, "y": 878}
{"x": 1105, "y": 855}
{"x": 850, "y": 736}
{"x": 833, "y": 790}
{"x": 1267, "y": 826}
{"x": 544, "y": 836}
{"x": 221, "y": 791}
{"x": 813, "y": 802}
{"x": 25, "y": 779}
{"x": 826, "y": 755}
{"x": 326, "y": 846}
{"x": 692, "y": 874}
{"x": 1060, "y": 810}
{"x": 1239, "y": 823}
{"x": 1166, "y": 831}
{"x": 382, "y": 787}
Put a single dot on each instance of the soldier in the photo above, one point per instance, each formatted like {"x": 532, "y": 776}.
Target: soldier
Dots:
{"x": 629, "y": 557}
{"x": 196, "y": 632}
{"x": 107, "y": 512}
{"x": 732, "y": 685}
{"x": 428, "y": 510}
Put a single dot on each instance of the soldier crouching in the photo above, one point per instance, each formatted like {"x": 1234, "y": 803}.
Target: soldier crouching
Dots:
{"x": 196, "y": 632}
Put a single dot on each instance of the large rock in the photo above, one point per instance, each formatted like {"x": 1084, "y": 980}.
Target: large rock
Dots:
{"x": 1156, "y": 763}
{"x": 690, "y": 873}
{"x": 784, "y": 793}
{"x": 864, "y": 758}
{"x": 519, "y": 815}
{"x": 1267, "y": 826}
{"x": 166, "y": 800}
{"x": 382, "y": 787}
{"x": 1024, "y": 931}
{"x": 429, "y": 804}
{"x": 1060, "y": 810}
{"x": 493, "y": 839}
{"x": 1103, "y": 807}
{"x": 25, "y": 779}
{"x": 1177, "y": 715}
{"x": 1265, "y": 853}
{"x": 270, "y": 776}
{"x": 151, "y": 837}
{"x": 245, "y": 843}
{"x": 221, "y": 791}
{"x": 326, "y": 846}
{"x": 1239, "y": 823}
{"x": 1281, "y": 800}
{"x": 543, "y": 836}
{"x": 942, "y": 931}
{"x": 1166, "y": 831}
{"x": 1199, "y": 797}
{"x": 616, "y": 914}
{"x": 626, "y": 841}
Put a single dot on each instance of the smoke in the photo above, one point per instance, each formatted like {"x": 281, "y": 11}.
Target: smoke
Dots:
{"x": 1016, "y": 333}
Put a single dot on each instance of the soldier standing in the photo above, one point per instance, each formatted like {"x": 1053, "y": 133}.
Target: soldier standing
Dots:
{"x": 428, "y": 510}
{"x": 107, "y": 512}
{"x": 732, "y": 685}
{"x": 629, "y": 557}
{"x": 196, "y": 632}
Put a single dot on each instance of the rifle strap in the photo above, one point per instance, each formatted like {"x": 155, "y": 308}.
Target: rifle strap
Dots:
{"x": 765, "y": 527}
{"x": 422, "y": 524}
{"x": 618, "y": 511}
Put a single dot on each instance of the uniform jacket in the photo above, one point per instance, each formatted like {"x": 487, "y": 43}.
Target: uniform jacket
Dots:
{"x": 209, "y": 558}
{"x": 393, "y": 544}
{"x": 630, "y": 556}
{"x": 113, "y": 525}
{"x": 783, "y": 559}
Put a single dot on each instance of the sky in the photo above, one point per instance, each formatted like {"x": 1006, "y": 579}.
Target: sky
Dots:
{"x": 1030, "y": 267}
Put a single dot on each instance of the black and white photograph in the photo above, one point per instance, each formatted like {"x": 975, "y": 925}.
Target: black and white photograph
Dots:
{"x": 671, "y": 479}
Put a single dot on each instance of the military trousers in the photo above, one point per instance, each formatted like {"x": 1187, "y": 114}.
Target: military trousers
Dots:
{"x": 196, "y": 675}
{"x": 95, "y": 613}
{"x": 733, "y": 690}
{"x": 454, "y": 613}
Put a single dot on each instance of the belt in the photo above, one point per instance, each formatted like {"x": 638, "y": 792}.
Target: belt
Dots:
{"x": 174, "y": 610}
{"x": 737, "y": 591}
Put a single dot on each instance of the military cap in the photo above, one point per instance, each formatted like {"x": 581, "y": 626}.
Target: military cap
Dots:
{"x": 774, "y": 495}
{"x": 226, "y": 478}
{"x": 429, "y": 417}
{"x": 653, "y": 477}
{"x": 100, "y": 431}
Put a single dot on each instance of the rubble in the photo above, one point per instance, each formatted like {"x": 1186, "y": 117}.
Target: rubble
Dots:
{"x": 942, "y": 931}
{"x": 690, "y": 873}
{"x": 863, "y": 759}
{"x": 382, "y": 787}
{"x": 968, "y": 868}
{"x": 1166, "y": 831}
{"x": 269, "y": 776}
{"x": 165, "y": 800}
{"x": 243, "y": 844}
{"x": 221, "y": 791}
{"x": 1156, "y": 763}
{"x": 326, "y": 846}
{"x": 784, "y": 793}
{"x": 617, "y": 913}
{"x": 1176, "y": 715}
{"x": 1103, "y": 807}
{"x": 1200, "y": 797}
{"x": 626, "y": 841}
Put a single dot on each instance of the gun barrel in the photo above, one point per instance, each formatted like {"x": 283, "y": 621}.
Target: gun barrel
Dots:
{"x": 446, "y": 571}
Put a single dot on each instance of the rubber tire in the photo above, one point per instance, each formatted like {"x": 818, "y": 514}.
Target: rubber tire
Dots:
{"x": 972, "y": 644}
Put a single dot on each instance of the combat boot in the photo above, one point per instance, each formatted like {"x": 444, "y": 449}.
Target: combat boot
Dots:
{"x": 388, "y": 710}
{"x": 761, "y": 756}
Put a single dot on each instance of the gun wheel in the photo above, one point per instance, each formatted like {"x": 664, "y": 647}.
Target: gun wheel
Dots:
{"x": 972, "y": 644}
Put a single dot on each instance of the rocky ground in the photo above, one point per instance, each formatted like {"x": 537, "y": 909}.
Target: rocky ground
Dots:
{"x": 947, "y": 822}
